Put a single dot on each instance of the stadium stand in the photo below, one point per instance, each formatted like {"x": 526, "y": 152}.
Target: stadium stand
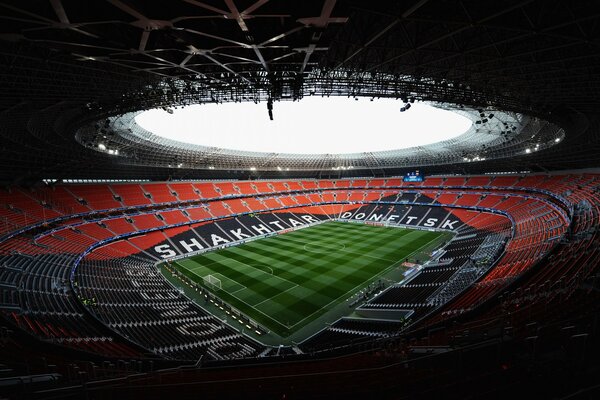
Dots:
{"x": 509, "y": 246}
{"x": 136, "y": 265}
{"x": 131, "y": 298}
{"x": 118, "y": 305}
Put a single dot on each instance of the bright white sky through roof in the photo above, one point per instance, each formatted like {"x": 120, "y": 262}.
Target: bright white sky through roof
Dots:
{"x": 313, "y": 125}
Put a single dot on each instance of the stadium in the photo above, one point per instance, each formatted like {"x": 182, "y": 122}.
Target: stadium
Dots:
{"x": 385, "y": 199}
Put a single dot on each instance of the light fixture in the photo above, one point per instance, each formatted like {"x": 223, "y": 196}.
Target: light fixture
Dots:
{"x": 270, "y": 108}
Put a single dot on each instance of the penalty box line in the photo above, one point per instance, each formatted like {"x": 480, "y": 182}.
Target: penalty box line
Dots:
{"x": 258, "y": 269}
{"x": 374, "y": 277}
{"x": 246, "y": 303}
{"x": 294, "y": 285}
{"x": 225, "y": 276}
{"x": 325, "y": 306}
{"x": 194, "y": 269}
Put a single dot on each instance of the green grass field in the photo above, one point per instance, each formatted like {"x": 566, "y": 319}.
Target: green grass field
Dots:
{"x": 286, "y": 281}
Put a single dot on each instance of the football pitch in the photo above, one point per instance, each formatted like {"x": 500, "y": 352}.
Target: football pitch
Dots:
{"x": 284, "y": 282}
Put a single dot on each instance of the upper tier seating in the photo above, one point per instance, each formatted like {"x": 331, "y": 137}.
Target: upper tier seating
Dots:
{"x": 131, "y": 195}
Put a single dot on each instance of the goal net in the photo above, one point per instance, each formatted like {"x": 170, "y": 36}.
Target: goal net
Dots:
{"x": 212, "y": 282}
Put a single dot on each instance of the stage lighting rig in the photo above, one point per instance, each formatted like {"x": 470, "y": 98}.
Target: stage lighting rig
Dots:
{"x": 270, "y": 108}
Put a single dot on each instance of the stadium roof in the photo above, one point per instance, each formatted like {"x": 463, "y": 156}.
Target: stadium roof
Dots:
{"x": 68, "y": 65}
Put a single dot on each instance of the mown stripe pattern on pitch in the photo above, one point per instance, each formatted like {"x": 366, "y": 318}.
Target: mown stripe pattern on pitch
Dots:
{"x": 286, "y": 281}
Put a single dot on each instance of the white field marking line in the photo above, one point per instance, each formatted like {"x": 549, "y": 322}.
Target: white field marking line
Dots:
{"x": 311, "y": 251}
{"x": 244, "y": 287}
{"x": 233, "y": 280}
{"x": 351, "y": 232}
{"x": 254, "y": 306}
{"x": 368, "y": 280}
{"x": 345, "y": 249}
{"x": 193, "y": 271}
{"x": 266, "y": 315}
{"x": 249, "y": 305}
{"x": 296, "y": 285}
{"x": 342, "y": 227}
{"x": 373, "y": 257}
{"x": 271, "y": 298}
{"x": 240, "y": 262}
{"x": 239, "y": 290}
{"x": 385, "y": 259}
{"x": 330, "y": 232}
{"x": 325, "y": 306}
{"x": 342, "y": 239}
{"x": 267, "y": 299}
{"x": 198, "y": 264}
{"x": 223, "y": 276}
{"x": 299, "y": 240}
{"x": 258, "y": 269}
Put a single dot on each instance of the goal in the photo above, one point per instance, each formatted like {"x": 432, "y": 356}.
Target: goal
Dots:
{"x": 212, "y": 282}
